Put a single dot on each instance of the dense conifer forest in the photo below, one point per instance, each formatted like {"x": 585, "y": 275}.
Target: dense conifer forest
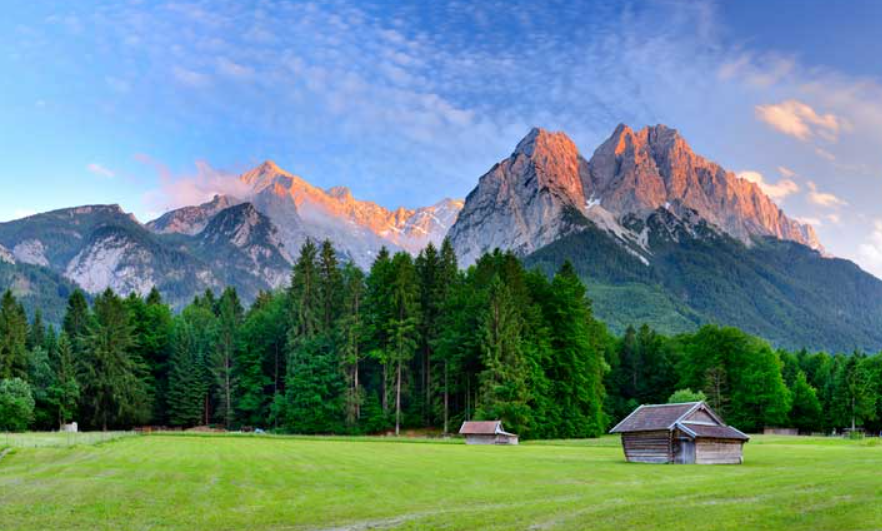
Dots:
{"x": 412, "y": 344}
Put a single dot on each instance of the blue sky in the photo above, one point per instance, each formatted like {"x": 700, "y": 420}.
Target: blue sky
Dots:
{"x": 154, "y": 104}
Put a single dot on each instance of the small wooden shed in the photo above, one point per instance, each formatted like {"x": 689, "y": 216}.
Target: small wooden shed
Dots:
{"x": 486, "y": 432}
{"x": 680, "y": 433}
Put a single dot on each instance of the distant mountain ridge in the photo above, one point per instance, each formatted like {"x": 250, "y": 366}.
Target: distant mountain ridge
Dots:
{"x": 303, "y": 211}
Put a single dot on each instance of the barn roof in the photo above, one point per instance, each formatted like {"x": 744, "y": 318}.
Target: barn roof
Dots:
{"x": 713, "y": 432}
{"x": 655, "y": 417}
{"x": 484, "y": 427}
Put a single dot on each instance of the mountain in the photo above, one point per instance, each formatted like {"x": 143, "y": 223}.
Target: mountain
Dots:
{"x": 243, "y": 248}
{"x": 538, "y": 194}
{"x": 99, "y": 246}
{"x": 300, "y": 210}
{"x": 664, "y": 236}
{"x": 638, "y": 172}
{"x": 358, "y": 228}
{"x": 192, "y": 219}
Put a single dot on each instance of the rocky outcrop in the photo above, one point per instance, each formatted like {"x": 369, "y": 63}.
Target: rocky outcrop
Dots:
{"x": 191, "y": 220}
{"x": 525, "y": 202}
{"x": 358, "y": 228}
{"x": 240, "y": 240}
{"x": 6, "y": 255}
{"x": 638, "y": 172}
{"x": 546, "y": 190}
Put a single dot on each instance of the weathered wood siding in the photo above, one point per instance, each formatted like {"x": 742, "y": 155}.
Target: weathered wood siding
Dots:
{"x": 718, "y": 452}
{"x": 491, "y": 439}
{"x": 648, "y": 446}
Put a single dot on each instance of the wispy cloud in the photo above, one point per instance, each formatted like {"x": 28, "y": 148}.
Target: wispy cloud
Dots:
{"x": 193, "y": 188}
{"x": 799, "y": 120}
{"x": 99, "y": 170}
{"x": 823, "y": 199}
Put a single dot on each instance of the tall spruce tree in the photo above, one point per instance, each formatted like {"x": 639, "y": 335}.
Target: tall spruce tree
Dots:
{"x": 13, "y": 338}
{"x": 114, "y": 393}
{"x": 64, "y": 392}
{"x": 351, "y": 332}
{"x": 402, "y": 326}
{"x": 229, "y": 318}
{"x": 504, "y": 392}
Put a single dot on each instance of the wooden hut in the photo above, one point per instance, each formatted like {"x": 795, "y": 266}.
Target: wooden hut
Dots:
{"x": 680, "y": 433}
{"x": 486, "y": 432}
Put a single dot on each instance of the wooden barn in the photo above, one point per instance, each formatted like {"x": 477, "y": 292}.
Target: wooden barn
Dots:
{"x": 680, "y": 433}
{"x": 486, "y": 432}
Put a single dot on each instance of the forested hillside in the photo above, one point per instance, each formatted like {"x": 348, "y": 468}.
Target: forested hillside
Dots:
{"x": 411, "y": 344}
{"x": 782, "y": 291}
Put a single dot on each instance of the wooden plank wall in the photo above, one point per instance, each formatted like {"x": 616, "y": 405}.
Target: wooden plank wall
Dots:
{"x": 718, "y": 452}
{"x": 648, "y": 446}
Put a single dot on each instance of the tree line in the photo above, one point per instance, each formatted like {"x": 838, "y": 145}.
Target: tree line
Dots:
{"x": 412, "y": 344}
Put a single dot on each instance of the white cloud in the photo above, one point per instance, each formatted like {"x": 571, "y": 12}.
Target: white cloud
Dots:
{"x": 786, "y": 172}
{"x": 799, "y": 120}
{"x": 823, "y": 199}
{"x": 835, "y": 219}
{"x": 176, "y": 191}
{"x": 824, "y": 154}
{"x": 776, "y": 191}
{"x": 100, "y": 170}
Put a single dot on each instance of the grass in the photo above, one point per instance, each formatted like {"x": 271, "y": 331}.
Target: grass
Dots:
{"x": 58, "y": 439}
{"x": 161, "y": 482}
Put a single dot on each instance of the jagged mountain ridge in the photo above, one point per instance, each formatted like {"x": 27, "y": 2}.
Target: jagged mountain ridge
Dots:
{"x": 301, "y": 210}
{"x": 531, "y": 198}
{"x": 100, "y": 246}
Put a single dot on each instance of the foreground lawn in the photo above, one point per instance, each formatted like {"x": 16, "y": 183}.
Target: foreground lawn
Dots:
{"x": 219, "y": 482}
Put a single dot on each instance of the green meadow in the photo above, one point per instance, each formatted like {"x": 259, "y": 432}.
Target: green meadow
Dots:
{"x": 217, "y": 482}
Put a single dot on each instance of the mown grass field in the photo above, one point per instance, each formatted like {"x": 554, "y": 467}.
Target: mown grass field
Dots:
{"x": 160, "y": 482}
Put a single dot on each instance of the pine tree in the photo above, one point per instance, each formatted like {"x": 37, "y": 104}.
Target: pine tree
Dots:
{"x": 229, "y": 319}
{"x": 13, "y": 338}
{"x": 188, "y": 385}
{"x": 77, "y": 320}
{"x": 402, "y": 326}
{"x": 504, "y": 392}
{"x": 351, "y": 330}
{"x": 313, "y": 385}
{"x": 64, "y": 391}
{"x": 378, "y": 313}
{"x": 114, "y": 390}
{"x": 576, "y": 369}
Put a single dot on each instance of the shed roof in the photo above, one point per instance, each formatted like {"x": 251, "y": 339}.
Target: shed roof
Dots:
{"x": 712, "y": 432}
{"x": 484, "y": 427}
{"x": 655, "y": 417}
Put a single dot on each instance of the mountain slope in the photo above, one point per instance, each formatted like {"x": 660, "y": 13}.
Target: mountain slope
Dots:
{"x": 98, "y": 247}
{"x": 191, "y": 220}
{"x": 638, "y": 172}
{"x": 664, "y": 236}
{"x": 243, "y": 248}
{"x": 780, "y": 290}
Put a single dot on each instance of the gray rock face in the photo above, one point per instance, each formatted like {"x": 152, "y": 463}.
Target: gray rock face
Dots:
{"x": 357, "y": 228}
{"x": 524, "y": 202}
{"x": 6, "y": 255}
{"x": 241, "y": 241}
{"x": 191, "y": 220}
{"x": 638, "y": 172}
{"x": 545, "y": 190}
